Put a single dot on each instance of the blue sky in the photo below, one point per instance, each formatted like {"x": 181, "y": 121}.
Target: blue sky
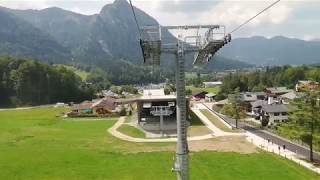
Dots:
{"x": 291, "y": 18}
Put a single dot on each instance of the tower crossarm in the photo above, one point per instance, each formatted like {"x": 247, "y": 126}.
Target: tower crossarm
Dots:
{"x": 186, "y": 27}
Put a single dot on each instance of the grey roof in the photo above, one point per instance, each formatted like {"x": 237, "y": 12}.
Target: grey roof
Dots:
{"x": 109, "y": 93}
{"x": 276, "y": 90}
{"x": 275, "y": 108}
{"x": 210, "y": 95}
{"x": 293, "y": 95}
{"x": 260, "y": 93}
{"x": 289, "y": 95}
{"x": 258, "y": 103}
{"x": 248, "y": 96}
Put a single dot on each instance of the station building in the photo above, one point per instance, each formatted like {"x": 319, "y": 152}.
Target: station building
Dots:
{"x": 157, "y": 111}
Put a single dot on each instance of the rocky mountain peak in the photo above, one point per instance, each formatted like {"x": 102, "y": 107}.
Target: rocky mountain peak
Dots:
{"x": 121, "y": 2}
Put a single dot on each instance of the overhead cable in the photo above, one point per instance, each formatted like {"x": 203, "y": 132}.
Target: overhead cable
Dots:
{"x": 135, "y": 17}
{"x": 246, "y": 22}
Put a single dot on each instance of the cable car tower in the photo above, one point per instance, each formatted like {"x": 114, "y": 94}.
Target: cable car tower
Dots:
{"x": 204, "y": 43}
{"x": 207, "y": 40}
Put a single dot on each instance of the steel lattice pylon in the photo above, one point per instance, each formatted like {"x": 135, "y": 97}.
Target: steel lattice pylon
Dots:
{"x": 204, "y": 46}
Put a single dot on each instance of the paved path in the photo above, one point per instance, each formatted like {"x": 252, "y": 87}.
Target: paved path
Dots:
{"x": 280, "y": 141}
{"x": 113, "y": 131}
{"x": 259, "y": 138}
{"x": 15, "y": 109}
{"x": 25, "y": 108}
{"x": 86, "y": 119}
{"x": 274, "y": 148}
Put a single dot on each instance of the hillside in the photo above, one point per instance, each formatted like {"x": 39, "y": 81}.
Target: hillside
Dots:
{"x": 81, "y": 73}
{"x": 20, "y": 38}
{"x": 275, "y": 51}
{"x": 91, "y": 40}
{"x": 63, "y": 36}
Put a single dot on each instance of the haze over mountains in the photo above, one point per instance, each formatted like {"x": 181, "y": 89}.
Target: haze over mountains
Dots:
{"x": 274, "y": 51}
{"x": 61, "y": 36}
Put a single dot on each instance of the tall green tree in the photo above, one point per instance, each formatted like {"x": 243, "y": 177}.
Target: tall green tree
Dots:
{"x": 235, "y": 100}
{"x": 306, "y": 116}
{"x": 29, "y": 82}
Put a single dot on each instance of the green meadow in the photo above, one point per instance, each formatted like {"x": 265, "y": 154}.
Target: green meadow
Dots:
{"x": 38, "y": 144}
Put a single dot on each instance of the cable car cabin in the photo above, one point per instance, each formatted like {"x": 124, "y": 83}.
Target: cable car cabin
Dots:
{"x": 150, "y": 44}
{"x": 151, "y": 51}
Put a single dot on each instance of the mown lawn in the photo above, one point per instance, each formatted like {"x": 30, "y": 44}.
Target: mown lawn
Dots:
{"x": 131, "y": 131}
{"x": 34, "y": 144}
{"x": 214, "y": 90}
{"x": 216, "y": 121}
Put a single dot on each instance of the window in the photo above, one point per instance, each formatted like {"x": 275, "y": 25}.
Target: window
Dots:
{"x": 284, "y": 114}
{"x": 276, "y": 114}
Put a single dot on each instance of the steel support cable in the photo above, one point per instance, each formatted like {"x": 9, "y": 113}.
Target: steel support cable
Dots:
{"x": 246, "y": 22}
{"x": 135, "y": 17}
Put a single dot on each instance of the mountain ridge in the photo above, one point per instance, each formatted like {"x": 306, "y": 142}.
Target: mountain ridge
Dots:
{"x": 278, "y": 50}
{"x": 111, "y": 34}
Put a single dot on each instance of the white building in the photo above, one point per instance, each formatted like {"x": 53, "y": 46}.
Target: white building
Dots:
{"x": 274, "y": 113}
{"x": 209, "y": 97}
{"x": 156, "y": 111}
{"x": 212, "y": 84}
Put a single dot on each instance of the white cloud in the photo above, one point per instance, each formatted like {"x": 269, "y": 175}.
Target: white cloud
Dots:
{"x": 235, "y": 13}
{"x": 309, "y": 37}
{"x": 278, "y": 20}
{"x": 23, "y": 4}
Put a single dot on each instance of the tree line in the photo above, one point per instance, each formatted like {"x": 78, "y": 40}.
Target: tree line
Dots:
{"x": 304, "y": 121}
{"x": 257, "y": 81}
{"x": 29, "y": 82}
{"x": 120, "y": 72}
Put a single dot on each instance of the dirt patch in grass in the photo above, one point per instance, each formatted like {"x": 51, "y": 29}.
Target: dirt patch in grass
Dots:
{"x": 224, "y": 144}
{"x": 198, "y": 131}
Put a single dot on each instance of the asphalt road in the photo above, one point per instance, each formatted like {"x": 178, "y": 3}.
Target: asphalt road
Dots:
{"x": 299, "y": 149}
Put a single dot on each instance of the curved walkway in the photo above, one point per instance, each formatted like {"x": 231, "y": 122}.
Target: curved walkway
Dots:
{"x": 113, "y": 131}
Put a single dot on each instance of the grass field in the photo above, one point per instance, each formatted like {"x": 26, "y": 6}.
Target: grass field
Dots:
{"x": 216, "y": 121}
{"x": 131, "y": 131}
{"x": 35, "y": 144}
{"x": 197, "y": 128}
{"x": 214, "y": 90}
{"x": 81, "y": 73}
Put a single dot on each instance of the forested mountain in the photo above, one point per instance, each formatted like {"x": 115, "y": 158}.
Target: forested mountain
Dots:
{"x": 98, "y": 39}
{"x": 20, "y": 38}
{"x": 111, "y": 34}
{"x": 275, "y": 51}
{"x": 29, "y": 82}
{"x": 68, "y": 28}
{"x": 58, "y": 35}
